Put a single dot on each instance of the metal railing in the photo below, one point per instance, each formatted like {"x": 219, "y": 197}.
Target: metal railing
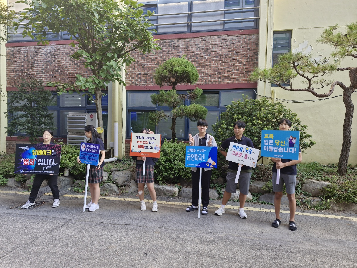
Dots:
{"x": 235, "y": 21}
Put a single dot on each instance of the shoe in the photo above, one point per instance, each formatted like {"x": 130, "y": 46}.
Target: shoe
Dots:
{"x": 242, "y": 214}
{"x": 276, "y": 223}
{"x": 143, "y": 206}
{"x": 292, "y": 226}
{"x": 204, "y": 211}
{"x": 56, "y": 203}
{"x": 219, "y": 211}
{"x": 28, "y": 204}
{"x": 154, "y": 207}
{"x": 88, "y": 205}
{"x": 93, "y": 207}
{"x": 191, "y": 208}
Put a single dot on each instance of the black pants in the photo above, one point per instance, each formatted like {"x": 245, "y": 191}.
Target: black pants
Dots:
{"x": 52, "y": 183}
{"x": 205, "y": 183}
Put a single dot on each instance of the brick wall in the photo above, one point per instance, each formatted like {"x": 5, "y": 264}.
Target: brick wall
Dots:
{"x": 220, "y": 58}
{"x": 49, "y": 63}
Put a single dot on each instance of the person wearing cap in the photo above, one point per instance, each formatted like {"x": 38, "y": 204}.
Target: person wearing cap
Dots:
{"x": 245, "y": 174}
{"x": 288, "y": 174}
{"x": 202, "y": 138}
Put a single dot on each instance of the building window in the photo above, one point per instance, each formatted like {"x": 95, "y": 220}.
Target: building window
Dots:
{"x": 281, "y": 44}
{"x": 139, "y": 106}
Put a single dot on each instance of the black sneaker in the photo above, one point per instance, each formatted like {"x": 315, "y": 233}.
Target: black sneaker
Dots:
{"x": 276, "y": 223}
{"x": 204, "y": 211}
{"x": 292, "y": 226}
{"x": 191, "y": 208}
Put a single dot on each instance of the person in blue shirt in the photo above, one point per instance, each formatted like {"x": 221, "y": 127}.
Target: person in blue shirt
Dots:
{"x": 95, "y": 172}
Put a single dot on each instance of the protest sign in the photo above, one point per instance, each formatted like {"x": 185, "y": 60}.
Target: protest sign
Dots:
{"x": 201, "y": 157}
{"x": 280, "y": 144}
{"x": 37, "y": 159}
{"x": 242, "y": 154}
{"x": 89, "y": 153}
{"x": 145, "y": 145}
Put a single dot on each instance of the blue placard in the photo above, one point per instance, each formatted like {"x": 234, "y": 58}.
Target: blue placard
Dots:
{"x": 280, "y": 144}
{"x": 89, "y": 153}
{"x": 201, "y": 156}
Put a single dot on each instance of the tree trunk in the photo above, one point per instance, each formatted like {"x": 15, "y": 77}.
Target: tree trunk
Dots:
{"x": 173, "y": 128}
{"x": 98, "y": 104}
{"x": 347, "y": 125}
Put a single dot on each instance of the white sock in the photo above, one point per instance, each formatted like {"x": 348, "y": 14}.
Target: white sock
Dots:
{"x": 241, "y": 209}
{"x": 223, "y": 206}
{"x": 154, "y": 202}
{"x": 142, "y": 201}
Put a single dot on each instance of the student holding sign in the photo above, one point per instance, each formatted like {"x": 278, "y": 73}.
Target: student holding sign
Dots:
{"x": 95, "y": 172}
{"x": 201, "y": 139}
{"x": 288, "y": 176}
{"x": 39, "y": 178}
{"x": 245, "y": 174}
{"x": 146, "y": 175}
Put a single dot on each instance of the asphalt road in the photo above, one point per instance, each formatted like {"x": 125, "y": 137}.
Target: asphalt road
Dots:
{"x": 120, "y": 235}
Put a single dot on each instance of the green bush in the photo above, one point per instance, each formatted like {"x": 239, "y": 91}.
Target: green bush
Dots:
{"x": 69, "y": 154}
{"x": 170, "y": 168}
{"x": 343, "y": 192}
{"x": 7, "y": 166}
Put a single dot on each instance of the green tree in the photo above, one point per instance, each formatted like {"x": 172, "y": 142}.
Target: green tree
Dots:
{"x": 27, "y": 111}
{"x": 173, "y": 72}
{"x": 312, "y": 72}
{"x": 258, "y": 114}
{"x": 105, "y": 33}
{"x": 7, "y": 17}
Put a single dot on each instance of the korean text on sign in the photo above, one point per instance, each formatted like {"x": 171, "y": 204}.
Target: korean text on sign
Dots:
{"x": 280, "y": 144}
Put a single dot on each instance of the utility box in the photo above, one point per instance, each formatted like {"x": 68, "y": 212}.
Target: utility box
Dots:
{"x": 75, "y": 126}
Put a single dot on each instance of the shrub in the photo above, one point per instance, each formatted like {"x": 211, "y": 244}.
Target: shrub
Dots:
{"x": 69, "y": 154}
{"x": 170, "y": 168}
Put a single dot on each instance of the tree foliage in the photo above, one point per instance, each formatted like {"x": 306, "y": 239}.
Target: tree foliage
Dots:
{"x": 27, "y": 111}
{"x": 173, "y": 72}
{"x": 176, "y": 71}
{"x": 312, "y": 72}
{"x": 104, "y": 31}
{"x": 7, "y": 17}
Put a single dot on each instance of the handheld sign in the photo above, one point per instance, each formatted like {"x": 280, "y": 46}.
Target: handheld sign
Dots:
{"x": 201, "y": 157}
{"x": 89, "y": 153}
{"x": 280, "y": 144}
{"x": 145, "y": 145}
{"x": 37, "y": 159}
{"x": 243, "y": 155}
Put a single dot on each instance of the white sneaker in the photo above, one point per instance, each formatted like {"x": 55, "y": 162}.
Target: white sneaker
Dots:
{"x": 88, "y": 205}
{"x": 219, "y": 211}
{"x": 93, "y": 207}
{"x": 56, "y": 203}
{"x": 143, "y": 206}
{"x": 154, "y": 207}
{"x": 242, "y": 214}
{"x": 28, "y": 204}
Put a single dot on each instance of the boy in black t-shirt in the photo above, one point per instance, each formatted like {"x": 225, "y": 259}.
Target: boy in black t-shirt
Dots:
{"x": 245, "y": 174}
{"x": 288, "y": 176}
